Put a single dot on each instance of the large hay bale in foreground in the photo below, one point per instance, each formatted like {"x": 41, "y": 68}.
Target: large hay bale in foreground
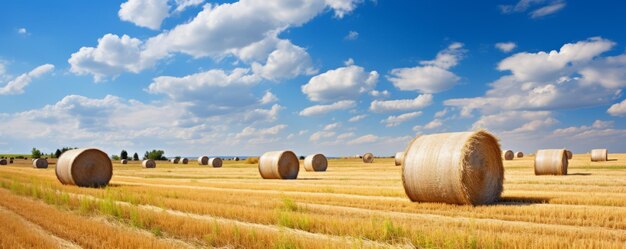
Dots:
{"x": 519, "y": 154}
{"x": 398, "y": 158}
{"x": 124, "y": 161}
{"x": 3, "y": 162}
{"x": 215, "y": 162}
{"x": 599, "y": 155}
{"x": 569, "y": 154}
{"x": 279, "y": 165}
{"x": 315, "y": 162}
{"x": 551, "y": 162}
{"x": 203, "y": 160}
{"x": 184, "y": 160}
{"x": 40, "y": 163}
{"x": 88, "y": 167}
{"x": 368, "y": 158}
{"x": 148, "y": 164}
{"x": 454, "y": 168}
{"x": 508, "y": 155}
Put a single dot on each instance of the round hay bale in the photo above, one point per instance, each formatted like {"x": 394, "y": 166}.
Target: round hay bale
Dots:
{"x": 10, "y": 160}
{"x": 315, "y": 162}
{"x": 148, "y": 164}
{"x": 398, "y": 158}
{"x": 3, "y": 162}
{"x": 88, "y": 167}
{"x": 236, "y": 158}
{"x": 454, "y": 168}
{"x": 175, "y": 160}
{"x": 40, "y": 163}
{"x": 519, "y": 154}
{"x": 599, "y": 155}
{"x": 368, "y": 158}
{"x": 279, "y": 165}
{"x": 124, "y": 161}
{"x": 508, "y": 155}
{"x": 203, "y": 160}
{"x": 569, "y": 154}
{"x": 184, "y": 160}
{"x": 551, "y": 162}
{"x": 215, "y": 162}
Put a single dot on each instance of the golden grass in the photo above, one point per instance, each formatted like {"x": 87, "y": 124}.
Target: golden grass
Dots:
{"x": 586, "y": 209}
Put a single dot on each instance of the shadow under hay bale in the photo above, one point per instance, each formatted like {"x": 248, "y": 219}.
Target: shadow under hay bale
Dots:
{"x": 467, "y": 165}
{"x": 279, "y": 165}
{"x": 551, "y": 162}
{"x": 88, "y": 167}
{"x": 315, "y": 162}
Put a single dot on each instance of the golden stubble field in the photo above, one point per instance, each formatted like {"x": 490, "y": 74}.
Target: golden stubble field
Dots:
{"x": 352, "y": 205}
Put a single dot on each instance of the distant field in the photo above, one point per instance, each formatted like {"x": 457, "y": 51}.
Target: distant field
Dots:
{"x": 352, "y": 205}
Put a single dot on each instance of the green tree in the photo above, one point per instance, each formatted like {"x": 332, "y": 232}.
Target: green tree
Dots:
{"x": 136, "y": 157}
{"x": 57, "y": 153}
{"x": 115, "y": 157}
{"x": 154, "y": 155}
{"x": 35, "y": 153}
{"x": 124, "y": 154}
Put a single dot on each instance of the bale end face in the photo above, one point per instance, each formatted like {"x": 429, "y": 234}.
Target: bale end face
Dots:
{"x": 467, "y": 165}
{"x": 315, "y": 162}
{"x": 279, "y": 165}
{"x": 519, "y": 154}
{"x": 123, "y": 161}
{"x": 184, "y": 161}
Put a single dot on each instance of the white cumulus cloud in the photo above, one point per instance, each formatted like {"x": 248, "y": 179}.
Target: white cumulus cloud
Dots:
{"x": 392, "y": 121}
{"x": 506, "y": 46}
{"x": 322, "y": 109}
{"x": 343, "y": 83}
{"x": 419, "y": 102}
{"x": 431, "y": 76}
{"x": 144, "y": 13}
{"x": 17, "y": 85}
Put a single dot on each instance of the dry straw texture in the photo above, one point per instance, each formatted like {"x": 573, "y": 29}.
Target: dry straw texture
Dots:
{"x": 88, "y": 167}
{"x": 148, "y": 164}
{"x": 315, "y": 162}
{"x": 203, "y": 160}
{"x": 124, "y": 161}
{"x": 215, "y": 162}
{"x": 40, "y": 163}
{"x": 3, "y": 161}
{"x": 454, "y": 168}
{"x": 599, "y": 155}
{"x": 368, "y": 158}
{"x": 184, "y": 160}
{"x": 551, "y": 162}
{"x": 520, "y": 154}
{"x": 569, "y": 154}
{"x": 398, "y": 158}
{"x": 279, "y": 165}
{"x": 508, "y": 155}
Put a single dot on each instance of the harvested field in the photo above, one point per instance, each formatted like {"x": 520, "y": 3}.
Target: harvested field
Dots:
{"x": 351, "y": 205}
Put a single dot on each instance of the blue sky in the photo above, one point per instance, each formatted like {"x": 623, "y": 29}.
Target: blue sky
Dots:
{"x": 339, "y": 77}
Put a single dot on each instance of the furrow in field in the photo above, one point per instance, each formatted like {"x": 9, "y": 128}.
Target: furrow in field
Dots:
{"x": 18, "y": 232}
